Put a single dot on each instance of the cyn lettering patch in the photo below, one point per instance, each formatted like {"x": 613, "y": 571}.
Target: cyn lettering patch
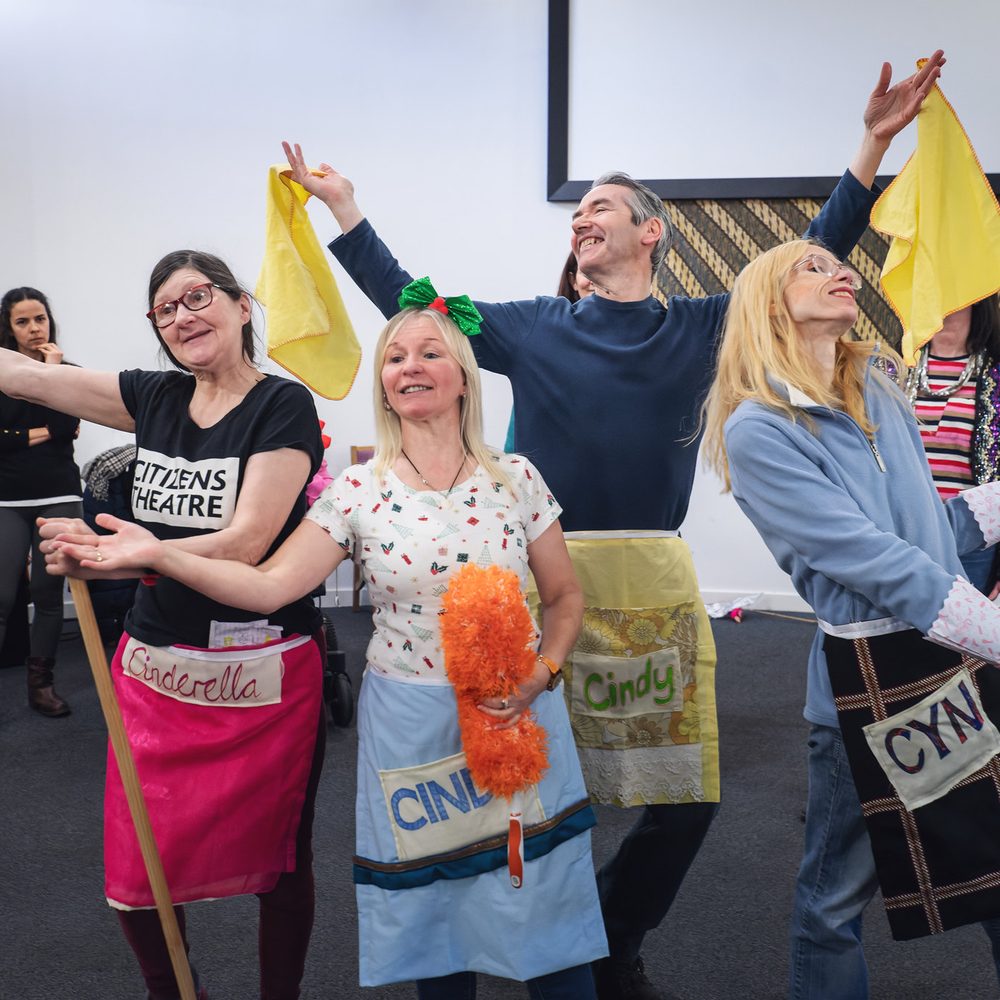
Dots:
{"x": 626, "y": 686}
{"x": 217, "y": 679}
{"x": 927, "y": 749}
{"x": 436, "y": 807}
{"x": 171, "y": 490}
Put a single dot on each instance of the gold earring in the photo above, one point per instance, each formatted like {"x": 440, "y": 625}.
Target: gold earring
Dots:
{"x": 385, "y": 401}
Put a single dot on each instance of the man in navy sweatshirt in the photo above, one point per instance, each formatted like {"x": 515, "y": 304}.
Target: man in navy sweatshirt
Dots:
{"x": 607, "y": 392}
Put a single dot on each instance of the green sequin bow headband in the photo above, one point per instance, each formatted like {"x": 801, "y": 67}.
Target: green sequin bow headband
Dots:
{"x": 458, "y": 308}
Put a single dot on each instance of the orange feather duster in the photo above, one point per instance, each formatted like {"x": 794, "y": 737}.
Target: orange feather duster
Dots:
{"x": 487, "y": 635}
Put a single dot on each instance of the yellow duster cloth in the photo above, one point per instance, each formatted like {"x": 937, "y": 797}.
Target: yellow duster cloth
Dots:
{"x": 944, "y": 222}
{"x": 308, "y": 330}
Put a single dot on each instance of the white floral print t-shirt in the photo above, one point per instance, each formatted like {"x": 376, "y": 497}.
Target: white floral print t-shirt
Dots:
{"x": 408, "y": 543}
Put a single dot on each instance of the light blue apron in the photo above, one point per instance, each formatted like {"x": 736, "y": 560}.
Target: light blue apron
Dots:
{"x": 433, "y": 888}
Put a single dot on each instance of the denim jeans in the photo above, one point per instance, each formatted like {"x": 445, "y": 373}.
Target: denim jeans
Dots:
{"x": 978, "y": 568}
{"x": 836, "y": 882}
{"x": 576, "y": 983}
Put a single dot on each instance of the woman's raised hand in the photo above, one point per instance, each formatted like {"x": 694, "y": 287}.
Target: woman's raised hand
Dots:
{"x": 51, "y": 353}
{"x": 890, "y": 109}
{"x": 333, "y": 189}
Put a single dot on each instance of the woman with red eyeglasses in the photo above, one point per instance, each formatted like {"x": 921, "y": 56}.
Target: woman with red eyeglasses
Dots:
{"x": 229, "y": 745}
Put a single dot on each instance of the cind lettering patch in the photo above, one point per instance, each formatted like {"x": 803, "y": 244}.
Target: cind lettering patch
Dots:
{"x": 436, "y": 807}
{"x": 927, "y": 749}
{"x": 625, "y": 686}
{"x": 171, "y": 490}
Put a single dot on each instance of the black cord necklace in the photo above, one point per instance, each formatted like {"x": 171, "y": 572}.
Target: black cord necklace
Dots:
{"x": 420, "y": 475}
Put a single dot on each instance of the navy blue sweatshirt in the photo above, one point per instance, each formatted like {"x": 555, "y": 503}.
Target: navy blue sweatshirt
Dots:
{"x": 606, "y": 393}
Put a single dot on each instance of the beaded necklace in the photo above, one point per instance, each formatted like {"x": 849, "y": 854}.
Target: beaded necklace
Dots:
{"x": 917, "y": 383}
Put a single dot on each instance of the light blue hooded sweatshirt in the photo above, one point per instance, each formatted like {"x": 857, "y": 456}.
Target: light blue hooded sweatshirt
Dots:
{"x": 858, "y": 525}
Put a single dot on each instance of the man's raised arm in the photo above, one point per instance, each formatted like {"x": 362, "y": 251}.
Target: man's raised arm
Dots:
{"x": 372, "y": 267}
{"x": 364, "y": 256}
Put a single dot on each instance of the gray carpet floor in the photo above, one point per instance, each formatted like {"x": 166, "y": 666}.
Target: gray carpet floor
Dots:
{"x": 724, "y": 939}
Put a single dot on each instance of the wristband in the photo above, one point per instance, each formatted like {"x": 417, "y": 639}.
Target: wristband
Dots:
{"x": 555, "y": 672}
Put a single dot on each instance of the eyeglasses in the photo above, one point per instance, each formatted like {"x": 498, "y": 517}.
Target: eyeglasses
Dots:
{"x": 195, "y": 298}
{"x": 828, "y": 267}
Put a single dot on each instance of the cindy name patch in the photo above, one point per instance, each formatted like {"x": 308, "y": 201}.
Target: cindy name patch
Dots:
{"x": 626, "y": 686}
{"x": 931, "y": 746}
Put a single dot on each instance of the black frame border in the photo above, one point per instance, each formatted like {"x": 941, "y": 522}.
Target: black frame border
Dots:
{"x": 561, "y": 188}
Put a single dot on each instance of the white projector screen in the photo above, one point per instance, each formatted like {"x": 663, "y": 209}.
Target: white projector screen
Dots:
{"x": 730, "y": 99}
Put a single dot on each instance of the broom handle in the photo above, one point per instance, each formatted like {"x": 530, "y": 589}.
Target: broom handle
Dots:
{"x": 133, "y": 790}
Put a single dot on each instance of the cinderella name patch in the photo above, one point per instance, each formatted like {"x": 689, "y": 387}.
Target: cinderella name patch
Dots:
{"x": 219, "y": 679}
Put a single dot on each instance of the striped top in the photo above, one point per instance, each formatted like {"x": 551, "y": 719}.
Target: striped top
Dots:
{"x": 946, "y": 424}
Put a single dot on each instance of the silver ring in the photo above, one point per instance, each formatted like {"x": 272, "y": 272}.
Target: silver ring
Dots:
{"x": 98, "y": 557}
{"x": 504, "y": 703}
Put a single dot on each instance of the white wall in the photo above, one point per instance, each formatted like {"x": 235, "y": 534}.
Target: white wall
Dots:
{"x": 135, "y": 128}
{"x": 767, "y": 89}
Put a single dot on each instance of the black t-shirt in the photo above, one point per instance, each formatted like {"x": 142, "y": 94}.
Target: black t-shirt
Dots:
{"x": 187, "y": 482}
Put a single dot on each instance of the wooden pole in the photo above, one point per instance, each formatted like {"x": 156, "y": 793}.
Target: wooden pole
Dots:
{"x": 133, "y": 790}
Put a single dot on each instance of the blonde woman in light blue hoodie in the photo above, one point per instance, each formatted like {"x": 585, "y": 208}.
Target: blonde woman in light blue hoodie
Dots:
{"x": 822, "y": 453}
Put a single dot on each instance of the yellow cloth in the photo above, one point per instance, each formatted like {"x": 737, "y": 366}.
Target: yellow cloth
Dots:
{"x": 308, "y": 330}
{"x": 945, "y": 223}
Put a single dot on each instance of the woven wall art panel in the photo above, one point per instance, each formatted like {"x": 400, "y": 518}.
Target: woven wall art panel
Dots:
{"x": 717, "y": 238}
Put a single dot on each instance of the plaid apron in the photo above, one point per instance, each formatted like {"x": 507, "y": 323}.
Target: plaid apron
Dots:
{"x": 917, "y": 722}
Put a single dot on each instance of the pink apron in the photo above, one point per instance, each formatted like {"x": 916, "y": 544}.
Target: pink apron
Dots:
{"x": 223, "y": 741}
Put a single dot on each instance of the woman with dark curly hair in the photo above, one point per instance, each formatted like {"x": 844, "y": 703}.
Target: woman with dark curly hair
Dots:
{"x": 38, "y": 478}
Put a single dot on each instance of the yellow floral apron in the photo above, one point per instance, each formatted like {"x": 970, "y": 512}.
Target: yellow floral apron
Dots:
{"x": 640, "y": 683}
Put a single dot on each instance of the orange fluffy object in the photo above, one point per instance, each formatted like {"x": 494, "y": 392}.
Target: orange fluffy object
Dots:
{"x": 487, "y": 636}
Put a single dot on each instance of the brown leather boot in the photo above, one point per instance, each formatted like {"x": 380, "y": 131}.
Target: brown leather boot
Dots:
{"x": 42, "y": 695}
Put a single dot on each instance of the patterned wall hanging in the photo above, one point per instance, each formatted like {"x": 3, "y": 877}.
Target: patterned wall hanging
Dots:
{"x": 716, "y": 238}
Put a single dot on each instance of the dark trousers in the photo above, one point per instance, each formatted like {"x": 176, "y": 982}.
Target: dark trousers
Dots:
{"x": 638, "y": 885}
{"x": 576, "y": 983}
{"x": 18, "y": 537}
{"x": 286, "y": 917}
